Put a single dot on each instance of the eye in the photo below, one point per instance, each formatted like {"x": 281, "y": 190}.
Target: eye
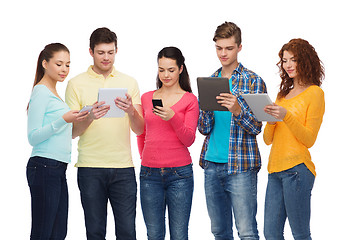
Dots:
{"x": 58, "y": 64}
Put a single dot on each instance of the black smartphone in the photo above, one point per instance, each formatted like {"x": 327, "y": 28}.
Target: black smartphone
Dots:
{"x": 157, "y": 102}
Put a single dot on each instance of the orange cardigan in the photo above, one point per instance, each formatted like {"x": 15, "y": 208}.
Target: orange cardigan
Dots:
{"x": 292, "y": 137}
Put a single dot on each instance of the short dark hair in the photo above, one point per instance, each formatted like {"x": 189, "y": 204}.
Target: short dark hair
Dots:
{"x": 102, "y": 35}
{"x": 227, "y": 30}
{"x": 175, "y": 54}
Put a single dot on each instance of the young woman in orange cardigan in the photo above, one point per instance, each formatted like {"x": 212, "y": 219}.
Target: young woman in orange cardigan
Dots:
{"x": 300, "y": 105}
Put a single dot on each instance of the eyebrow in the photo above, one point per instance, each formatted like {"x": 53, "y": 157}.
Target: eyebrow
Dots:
{"x": 60, "y": 61}
{"x": 167, "y": 68}
{"x": 230, "y": 46}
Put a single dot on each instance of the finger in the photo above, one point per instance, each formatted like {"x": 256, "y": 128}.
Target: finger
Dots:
{"x": 226, "y": 94}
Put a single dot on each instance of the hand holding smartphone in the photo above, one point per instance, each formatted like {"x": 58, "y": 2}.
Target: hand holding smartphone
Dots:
{"x": 157, "y": 102}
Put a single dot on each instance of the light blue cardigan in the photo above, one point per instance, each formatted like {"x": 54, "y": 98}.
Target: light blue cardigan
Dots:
{"x": 48, "y": 133}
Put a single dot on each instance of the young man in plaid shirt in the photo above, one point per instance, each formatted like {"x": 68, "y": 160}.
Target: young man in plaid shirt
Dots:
{"x": 230, "y": 154}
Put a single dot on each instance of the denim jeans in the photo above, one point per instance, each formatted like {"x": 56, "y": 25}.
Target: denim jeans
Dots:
{"x": 119, "y": 186}
{"x": 288, "y": 196}
{"x": 171, "y": 188}
{"x": 49, "y": 198}
{"x": 228, "y": 195}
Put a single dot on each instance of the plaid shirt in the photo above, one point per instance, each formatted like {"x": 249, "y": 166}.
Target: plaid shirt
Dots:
{"x": 243, "y": 148}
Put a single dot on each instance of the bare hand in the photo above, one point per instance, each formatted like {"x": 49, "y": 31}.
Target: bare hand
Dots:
{"x": 230, "y": 102}
{"x": 276, "y": 111}
{"x": 165, "y": 113}
{"x": 125, "y": 104}
{"x": 98, "y": 110}
{"x": 75, "y": 116}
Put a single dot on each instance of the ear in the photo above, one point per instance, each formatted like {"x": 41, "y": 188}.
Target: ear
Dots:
{"x": 44, "y": 64}
{"x": 181, "y": 69}
{"x": 240, "y": 48}
{"x": 91, "y": 52}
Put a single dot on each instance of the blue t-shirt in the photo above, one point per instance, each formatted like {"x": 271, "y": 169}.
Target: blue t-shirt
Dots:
{"x": 218, "y": 148}
{"x": 48, "y": 133}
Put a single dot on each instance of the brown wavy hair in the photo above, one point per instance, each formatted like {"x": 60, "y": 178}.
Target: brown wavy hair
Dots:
{"x": 309, "y": 68}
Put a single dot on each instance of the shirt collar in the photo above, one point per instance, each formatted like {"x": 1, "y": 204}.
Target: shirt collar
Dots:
{"x": 92, "y": 73}
{"x": 238, "y": 69}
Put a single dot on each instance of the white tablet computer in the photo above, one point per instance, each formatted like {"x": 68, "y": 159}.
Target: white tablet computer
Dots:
{"x": 108, "y": 95}
{"x": 257, "y": 103}
{"x": 208, "y": 89}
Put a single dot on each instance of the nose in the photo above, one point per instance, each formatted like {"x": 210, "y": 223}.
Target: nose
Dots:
{"x": 223, "y": 52}
{"x": 166, "y": 74}
{"x": 64, "y": 68}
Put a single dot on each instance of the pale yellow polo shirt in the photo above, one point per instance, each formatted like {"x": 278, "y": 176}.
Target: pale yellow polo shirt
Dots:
{"x": 106, "y": 142}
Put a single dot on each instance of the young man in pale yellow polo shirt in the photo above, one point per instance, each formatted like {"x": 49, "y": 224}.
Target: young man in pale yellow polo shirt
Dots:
{"x": 105, "y": 167}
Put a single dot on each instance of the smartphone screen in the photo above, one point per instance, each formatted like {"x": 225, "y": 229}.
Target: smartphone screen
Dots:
{"x": 157, "y": 102}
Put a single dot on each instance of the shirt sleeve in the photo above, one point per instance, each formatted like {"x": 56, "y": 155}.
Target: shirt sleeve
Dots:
{"x": 205, "y": 121}
{"x": 38, "y": 133}
{"x": 141, "y": 139}
{"x": 307, "y": 133}
{"x": 185, "y": 128}
{"x": 71, "y": 97}
{"x": 269, "y": 133}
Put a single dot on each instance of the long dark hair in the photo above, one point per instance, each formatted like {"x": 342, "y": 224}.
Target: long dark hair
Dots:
{"x": 46, "y": 54}
{"x": 310, "y": 69}
{"x": 176, "y": 54}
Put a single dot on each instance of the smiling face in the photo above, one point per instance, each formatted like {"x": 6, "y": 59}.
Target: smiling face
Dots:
{"x": 103, "y": 58}
{"x": 227, "y": 51}
{"x": 168, "y": 72}
{"x": 57, "y": 68}
{"x": 289, "y": 64}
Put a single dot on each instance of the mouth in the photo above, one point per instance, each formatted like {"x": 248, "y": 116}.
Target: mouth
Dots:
{"x": 62, "y": 75}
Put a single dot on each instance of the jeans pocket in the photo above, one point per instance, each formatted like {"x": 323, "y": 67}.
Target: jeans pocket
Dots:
{"x": 184, "y": 172}
{"x": 30, "y": 174}
{"x": 206, "y": 164}
{"x": 144, "y": 172}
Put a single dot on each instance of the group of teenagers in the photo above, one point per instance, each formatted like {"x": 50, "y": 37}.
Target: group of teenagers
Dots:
{"x": 230, "y": 156}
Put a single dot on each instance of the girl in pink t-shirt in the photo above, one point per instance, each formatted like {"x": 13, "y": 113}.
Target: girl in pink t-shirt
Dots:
{"x": 166, "y": 176}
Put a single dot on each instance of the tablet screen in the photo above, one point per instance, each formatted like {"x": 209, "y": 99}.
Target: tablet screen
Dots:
{"x": 208, "y": 89}
{"x": 108, "y": 95}
{"x": 257, "y": 103}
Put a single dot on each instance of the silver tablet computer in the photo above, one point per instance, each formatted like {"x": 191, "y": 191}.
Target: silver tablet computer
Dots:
{"x": 108, "y": 95}
{"x": 208, "y": 89}
{"x": 257, "y": 103}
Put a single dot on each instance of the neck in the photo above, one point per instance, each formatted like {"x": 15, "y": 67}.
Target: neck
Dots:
{"x": 171, "y": 90}
{"x": 48, "y": 82}
{"x": 228, "y": 70}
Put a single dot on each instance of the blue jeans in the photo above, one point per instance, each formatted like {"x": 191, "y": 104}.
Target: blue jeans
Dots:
{"x": 166, "y": 187}
{"x": 49, "y": 198}
{"x": 228, "y": 195}
{"x": 288, "y": 196}
{"x": 119, "y": 186}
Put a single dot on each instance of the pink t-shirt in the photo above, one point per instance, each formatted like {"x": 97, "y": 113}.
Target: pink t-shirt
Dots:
{"x": 165, "y": 143}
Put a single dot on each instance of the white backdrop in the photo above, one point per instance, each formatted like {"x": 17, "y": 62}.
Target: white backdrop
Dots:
{"x": 143, "y": 28}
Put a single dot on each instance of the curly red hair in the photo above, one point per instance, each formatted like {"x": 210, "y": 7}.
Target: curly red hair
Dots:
{"x": 310, "y": 69}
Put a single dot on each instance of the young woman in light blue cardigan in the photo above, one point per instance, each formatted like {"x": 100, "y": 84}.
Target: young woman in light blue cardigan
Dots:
{"x": 50, "y": 133}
